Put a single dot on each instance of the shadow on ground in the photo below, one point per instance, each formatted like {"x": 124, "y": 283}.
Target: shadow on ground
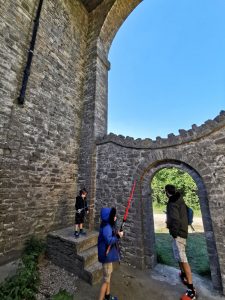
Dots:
{"x": 161, "y": 283}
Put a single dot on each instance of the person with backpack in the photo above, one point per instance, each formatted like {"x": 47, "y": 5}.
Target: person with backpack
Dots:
{"x": 108, "y": 250}
{"x": 177, "y": 223}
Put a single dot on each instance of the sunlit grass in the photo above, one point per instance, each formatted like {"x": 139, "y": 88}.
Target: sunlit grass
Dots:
{"x": 196, "y": 252}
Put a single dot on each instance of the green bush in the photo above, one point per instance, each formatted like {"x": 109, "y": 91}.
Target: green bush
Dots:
{"x": 183, "y": 182}
{"x": 198, "y": 260}
{"x": 24, "y": 285}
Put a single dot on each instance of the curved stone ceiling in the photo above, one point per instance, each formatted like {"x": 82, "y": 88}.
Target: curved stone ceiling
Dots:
{"x": 91, "y": 4}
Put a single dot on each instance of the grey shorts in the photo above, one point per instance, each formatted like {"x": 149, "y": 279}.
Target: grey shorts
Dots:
{"x": 179, "y": 249}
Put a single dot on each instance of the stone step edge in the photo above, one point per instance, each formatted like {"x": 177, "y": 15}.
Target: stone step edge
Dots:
{"x": 87, "y": 254}
{"x": 93, "y": 272}
{"x": 81, "y": 244}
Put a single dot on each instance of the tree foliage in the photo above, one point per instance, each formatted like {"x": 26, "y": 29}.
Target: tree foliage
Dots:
{"x": 183, "y": 182}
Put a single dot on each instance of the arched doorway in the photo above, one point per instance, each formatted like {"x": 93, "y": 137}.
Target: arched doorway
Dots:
{"x": 149, "y": 234}
{"x": 187, "y": 187}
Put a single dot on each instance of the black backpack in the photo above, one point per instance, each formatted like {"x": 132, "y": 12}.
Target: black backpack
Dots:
{"x": 190, "y": 216}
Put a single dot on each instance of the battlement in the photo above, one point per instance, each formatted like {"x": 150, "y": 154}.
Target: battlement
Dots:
{"x": 185, "y": 136}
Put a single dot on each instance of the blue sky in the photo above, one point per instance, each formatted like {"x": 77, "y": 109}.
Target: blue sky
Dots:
{"x": 167, "y": 68}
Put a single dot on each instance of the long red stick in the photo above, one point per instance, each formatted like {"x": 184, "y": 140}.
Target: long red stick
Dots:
{"x": 128, "y": 204}
{"x": 126, "y": 212}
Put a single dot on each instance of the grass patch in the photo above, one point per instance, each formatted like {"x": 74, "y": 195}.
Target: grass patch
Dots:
{"x": 62, "y": 295}
{"x": 160, "y": 209}
{"x": 196, "y": 252}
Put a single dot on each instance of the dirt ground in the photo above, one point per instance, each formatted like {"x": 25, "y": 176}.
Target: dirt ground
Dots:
{"x": 160, "y": 225}
{"x": 161, "y": 283}
{"x": 129, "y": 283}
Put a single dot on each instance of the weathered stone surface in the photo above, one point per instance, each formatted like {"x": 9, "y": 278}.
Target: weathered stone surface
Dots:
{"x": 91, "y": 4}
{"x": 39, "y": 141}
{"x": 119, "y": 162}
{"x": 78, "y": 256}
{"x": 57, "y": 142}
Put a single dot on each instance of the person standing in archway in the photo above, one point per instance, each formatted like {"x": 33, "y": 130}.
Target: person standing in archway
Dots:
{"x": 177, "y": 223}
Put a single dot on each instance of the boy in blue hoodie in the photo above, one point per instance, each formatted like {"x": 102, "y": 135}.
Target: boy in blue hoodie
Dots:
{"x": 108, "y": 251}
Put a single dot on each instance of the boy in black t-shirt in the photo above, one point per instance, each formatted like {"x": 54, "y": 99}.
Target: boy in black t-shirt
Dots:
{"x": 81, "y": 209}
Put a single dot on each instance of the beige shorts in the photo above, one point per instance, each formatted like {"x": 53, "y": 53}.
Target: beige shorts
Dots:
{"x": 107, "y": 272}
{"x": 179, "y": 249}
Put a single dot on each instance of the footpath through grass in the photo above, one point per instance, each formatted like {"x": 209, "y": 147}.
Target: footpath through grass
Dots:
{"x": 196, "y": 247}
{"x": 160, "y": 209}
{"x": 196, "y": 252}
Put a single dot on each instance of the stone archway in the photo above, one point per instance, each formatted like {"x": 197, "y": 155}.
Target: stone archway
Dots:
{"x": 189, "y": 145}
{"x": 149, "y": 235}
{"x": 104, "y": 22}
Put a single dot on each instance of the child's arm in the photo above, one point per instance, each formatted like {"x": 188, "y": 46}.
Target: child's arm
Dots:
{"x": 86, "y": 206}
{"x": 78, "y": 204}
{"x": 107, "y": 233}
{"x": 174, "y": 220}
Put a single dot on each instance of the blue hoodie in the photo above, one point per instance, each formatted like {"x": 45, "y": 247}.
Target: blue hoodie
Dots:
{"x": 107, "y": 237}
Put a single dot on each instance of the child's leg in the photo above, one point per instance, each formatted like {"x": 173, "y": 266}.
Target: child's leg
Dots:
{"x": 103, "y": 290}
{"x": 76, "y": 233}
{"x": 108, "y": 274}
{"x": 187, "y": 271}
{"x": 107, "y": 294}
{"x": 77, "y": 222}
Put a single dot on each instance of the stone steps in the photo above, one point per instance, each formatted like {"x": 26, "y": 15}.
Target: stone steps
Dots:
{"x": 78, "y": 256}
{"x": 89, "y": 256}
{"x": 93, "y": 273}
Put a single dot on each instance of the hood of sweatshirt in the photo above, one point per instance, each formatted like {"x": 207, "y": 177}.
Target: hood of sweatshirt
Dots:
{"x": 105, "y": 213}
{"x": 175, "y": 197}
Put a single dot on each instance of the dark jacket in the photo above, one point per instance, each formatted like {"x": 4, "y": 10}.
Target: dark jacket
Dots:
{"x": 81, "y": 204}
{"x": 107, "y": 237}
{"x": 177, "y": 220}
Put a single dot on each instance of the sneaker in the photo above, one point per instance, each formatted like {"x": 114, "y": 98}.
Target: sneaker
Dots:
{"x": 82, "y": 232}
{"x": 76, "y": 234}
{"x": 112, "y": 298}
{"x": 183, "y": 278}
{"x": 191, "y": 294}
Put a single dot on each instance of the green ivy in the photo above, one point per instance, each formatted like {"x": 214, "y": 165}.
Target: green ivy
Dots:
{"x": 24, "y": 285}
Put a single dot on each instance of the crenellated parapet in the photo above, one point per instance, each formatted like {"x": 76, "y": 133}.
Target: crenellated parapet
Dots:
{"x": 185, "y": 136}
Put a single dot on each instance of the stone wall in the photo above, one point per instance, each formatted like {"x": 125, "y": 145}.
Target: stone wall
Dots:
{"x": 104, "y": 22}
{"x": 48, "y": 146}
{"x": 120, "y": 160}
{"x": 39, "y": 142}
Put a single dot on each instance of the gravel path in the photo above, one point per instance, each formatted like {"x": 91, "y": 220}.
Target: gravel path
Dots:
{"x": 53, "y": 279}
{"x": 128, "y": 283}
